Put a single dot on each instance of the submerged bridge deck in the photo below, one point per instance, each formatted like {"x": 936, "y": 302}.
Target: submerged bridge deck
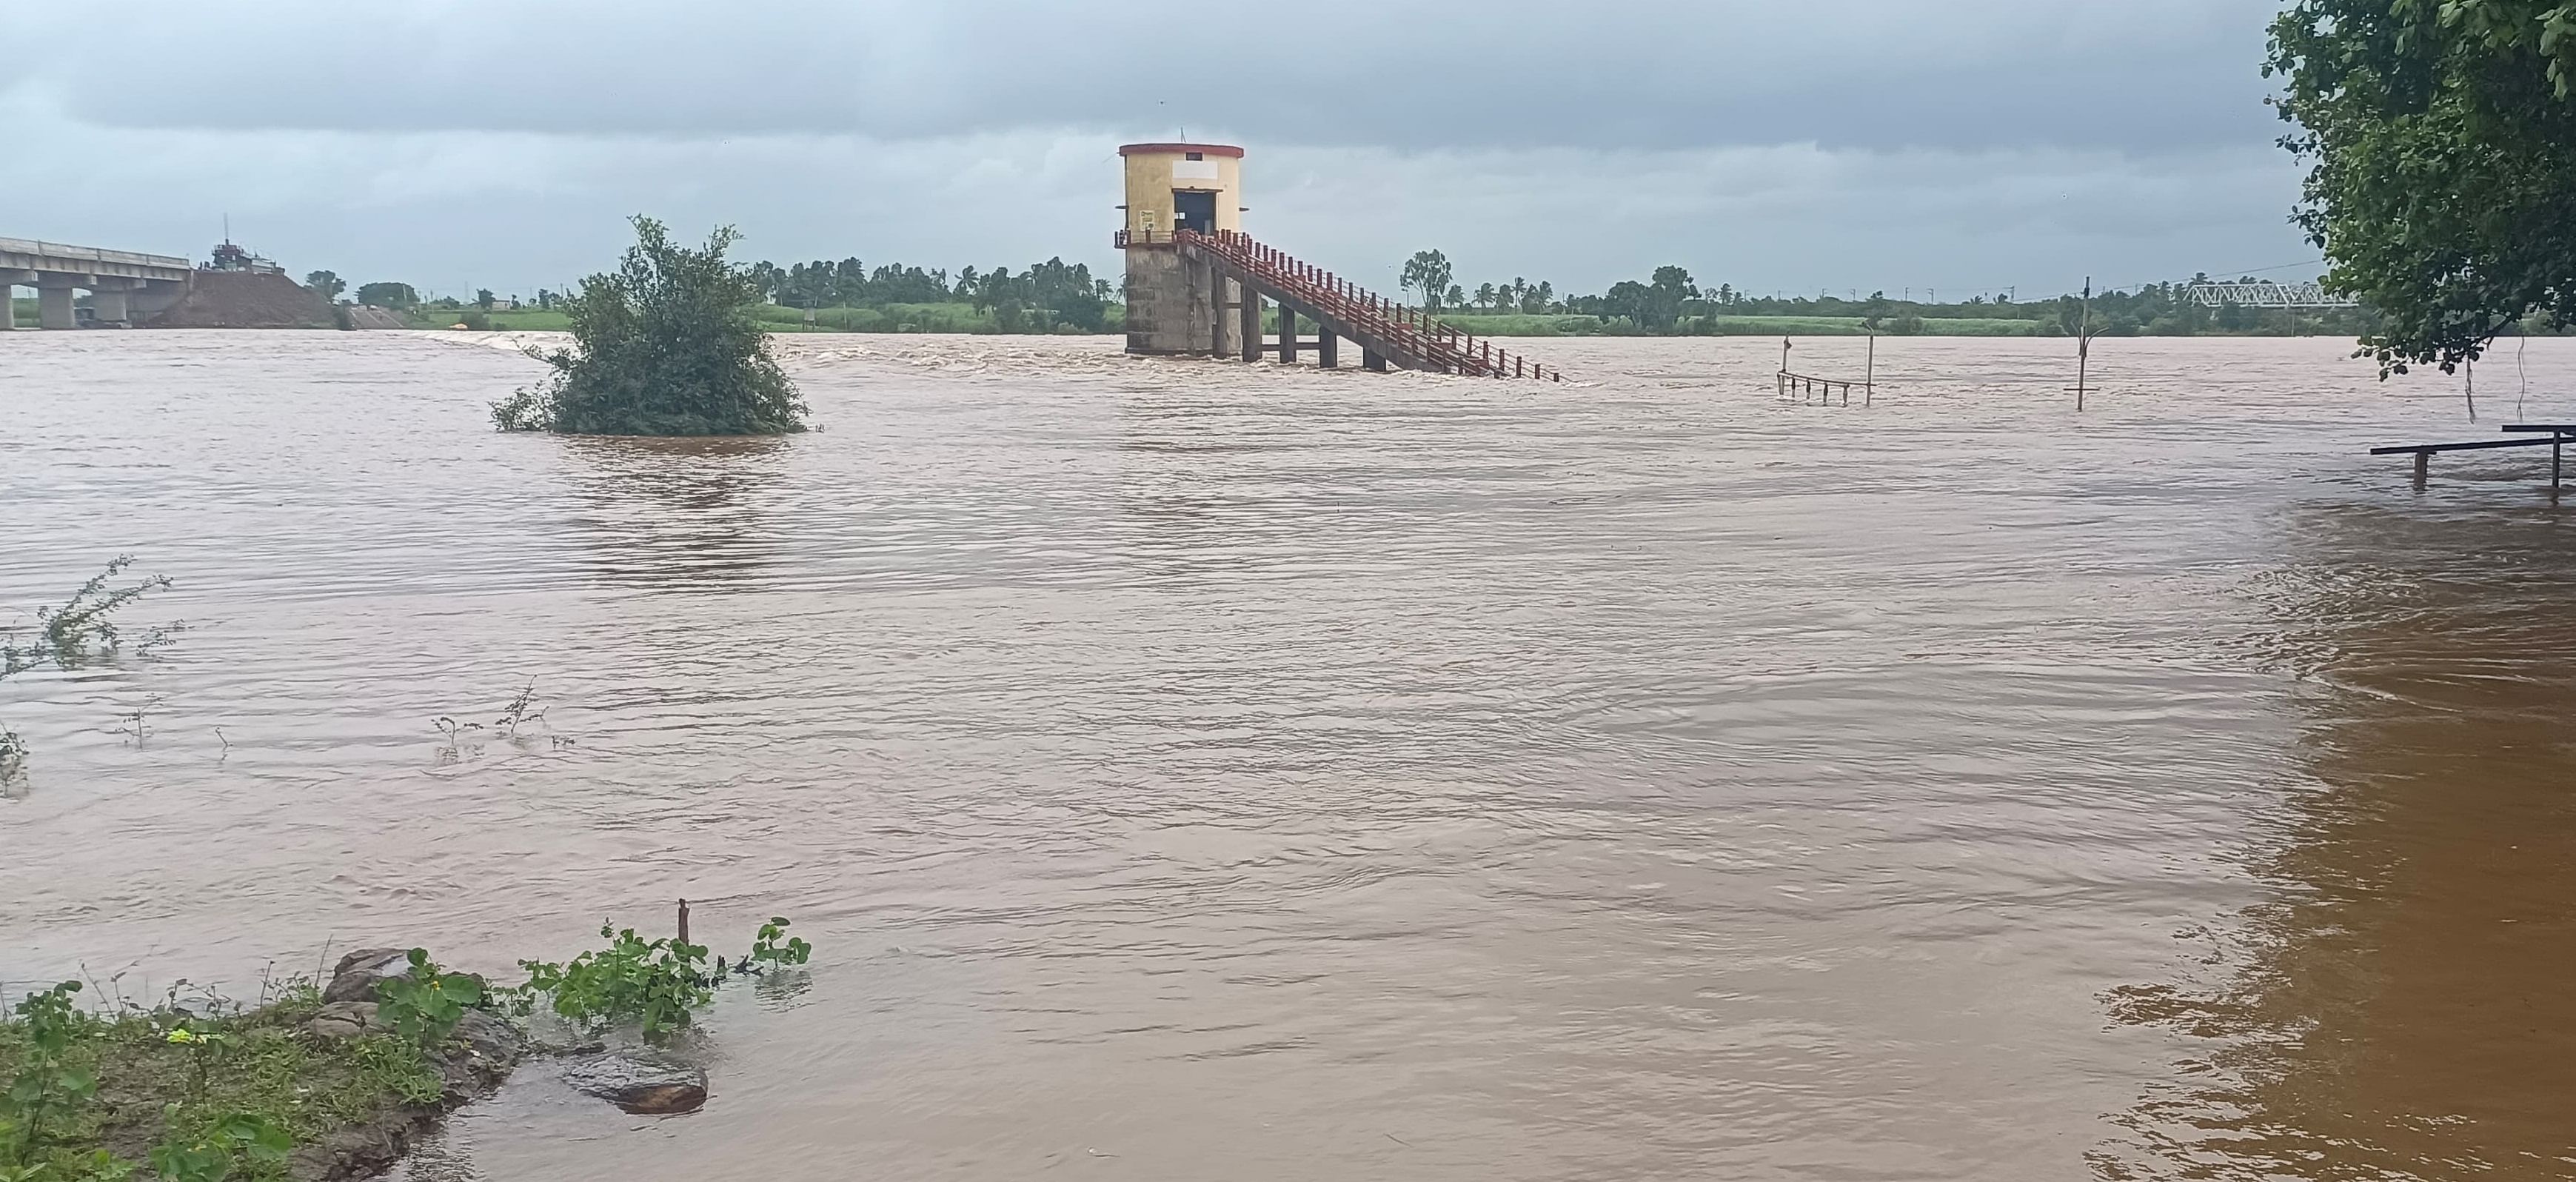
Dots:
{"x": 1387, "y": 332}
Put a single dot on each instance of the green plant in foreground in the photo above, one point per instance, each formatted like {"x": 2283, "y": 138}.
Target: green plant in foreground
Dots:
{"x": 204, "y": 1052}
{"x": 49, "y": 1086}
{"x": 235, "y": 1139}
{"x": 424, "y": 1006}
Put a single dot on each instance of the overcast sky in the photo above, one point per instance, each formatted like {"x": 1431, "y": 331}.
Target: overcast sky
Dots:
{"x": 1964, "y": 145}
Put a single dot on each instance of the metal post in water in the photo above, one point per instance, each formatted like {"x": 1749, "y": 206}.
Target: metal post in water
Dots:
{"x": 1869, "y": 376}
{"x": 2083, "y": 342}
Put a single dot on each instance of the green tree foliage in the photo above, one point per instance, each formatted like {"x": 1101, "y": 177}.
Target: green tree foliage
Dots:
{"x": 1049, "y": 294}
{"x": 1429, "y": 274}
{"x": 326, "y": 284}
{"x": 484, "y": 299}
{"x": 1665, "y": 294}
{"x": 664, "y": 345}
{"x": 2442, "y": 144}
{"x": 397, "y": 296}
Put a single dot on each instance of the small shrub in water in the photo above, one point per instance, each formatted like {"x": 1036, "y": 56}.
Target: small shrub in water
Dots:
{"x": 425, "y": 1006}
{"x": 68, "y": 636}
{"x": 658, "y": 984}
{"x": 768, "y": 953}
{"x": 665, "y": 345}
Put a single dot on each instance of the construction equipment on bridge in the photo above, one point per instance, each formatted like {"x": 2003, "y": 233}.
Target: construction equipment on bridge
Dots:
{"x": 1196, "y": 282}
{"x": 229, "y": 257}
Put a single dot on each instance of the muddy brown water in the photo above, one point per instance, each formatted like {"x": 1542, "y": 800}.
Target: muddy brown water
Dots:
{"x": 1188, "y": 770}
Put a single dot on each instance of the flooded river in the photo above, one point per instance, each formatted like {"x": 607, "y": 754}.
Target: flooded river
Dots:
{"x": 1188, "y": 770}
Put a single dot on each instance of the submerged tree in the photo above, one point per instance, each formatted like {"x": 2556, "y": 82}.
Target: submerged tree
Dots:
{"x": 665, "y": 345}
{"x": 2443, "y": 143}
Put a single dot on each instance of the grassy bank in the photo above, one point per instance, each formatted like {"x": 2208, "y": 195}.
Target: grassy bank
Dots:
{"x": 1523, "y": 325}
{"x": 192, "y": 1089}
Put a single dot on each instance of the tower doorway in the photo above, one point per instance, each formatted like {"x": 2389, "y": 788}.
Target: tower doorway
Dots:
{"x": 1194, "y": 209}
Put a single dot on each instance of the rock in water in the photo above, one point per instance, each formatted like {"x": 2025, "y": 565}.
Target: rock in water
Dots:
{"x": 642, "y": 1086}
{"x": 346, "y": 1019}
{"x": 360, "y": 972}
{"x": 493, "y": 1045}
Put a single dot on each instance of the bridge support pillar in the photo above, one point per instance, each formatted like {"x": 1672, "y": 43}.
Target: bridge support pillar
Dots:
{"x": 1287, "y": 335}
{"x": 10, "y": 280}
{"x": 54, "y": 302}
{"x": 1328, "y": 347}
{"x": 1372, "y": 360}
{"x": 1247, "y": 324}
{"x": 1229, "y": 295}
{"x": 107, "y": 302}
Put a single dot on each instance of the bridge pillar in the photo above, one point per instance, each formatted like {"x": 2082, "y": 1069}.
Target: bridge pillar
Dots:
{"x": 10, "y": 280}
{"x": 1328, "y": 347}
{"x": 1221, "y": 342}
{"x": 1203, "y": 310}
{"x": 107, "y": 301}
{"x": 1247, "y": 324}
{"x": 54, "y": 301}
{"x": 1287, "y": 335}
{"x": 1372, "y": 360}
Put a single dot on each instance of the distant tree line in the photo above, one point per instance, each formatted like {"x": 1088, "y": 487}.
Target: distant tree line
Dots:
{"x": 1046, "y": 296}
{"x": 1669, "y": 300}
{"x": 1043, "y": 297}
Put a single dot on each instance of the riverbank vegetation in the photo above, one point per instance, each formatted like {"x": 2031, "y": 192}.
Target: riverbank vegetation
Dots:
{"x": 189, "y": 1090}
{"x": 665, "y": 345}
{"x": 310, "y": 1081}
{"x": 2441, "y": 140}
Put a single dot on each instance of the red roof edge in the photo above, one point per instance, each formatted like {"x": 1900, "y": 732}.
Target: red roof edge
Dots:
{"x": 1176, "y": 149}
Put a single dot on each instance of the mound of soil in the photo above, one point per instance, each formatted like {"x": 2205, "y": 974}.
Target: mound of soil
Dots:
{"x": 244, "y": 299}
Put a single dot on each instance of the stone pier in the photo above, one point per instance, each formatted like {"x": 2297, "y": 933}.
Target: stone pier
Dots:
{"x": 54, "y": 295}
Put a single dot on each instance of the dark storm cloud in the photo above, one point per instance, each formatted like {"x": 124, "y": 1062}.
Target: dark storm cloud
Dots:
{"x": 1964, "y": 145}
{"x": 1408, "y": 76}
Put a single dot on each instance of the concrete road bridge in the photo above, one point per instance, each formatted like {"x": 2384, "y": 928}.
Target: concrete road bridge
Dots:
{"x": 121, "y": 283}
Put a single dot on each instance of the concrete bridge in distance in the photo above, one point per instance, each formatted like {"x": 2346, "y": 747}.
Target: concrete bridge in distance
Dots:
{"x": 120, "y": 283}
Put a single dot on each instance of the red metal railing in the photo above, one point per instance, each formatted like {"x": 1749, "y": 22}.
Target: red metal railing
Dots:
{"x": 1411, "y": 334}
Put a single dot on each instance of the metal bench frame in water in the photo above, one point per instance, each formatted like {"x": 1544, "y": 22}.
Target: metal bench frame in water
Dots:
{"x": 2558, "y": 435}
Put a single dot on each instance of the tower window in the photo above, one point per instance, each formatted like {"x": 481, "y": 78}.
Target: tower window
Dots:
{"x": 1193, "y": 155}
